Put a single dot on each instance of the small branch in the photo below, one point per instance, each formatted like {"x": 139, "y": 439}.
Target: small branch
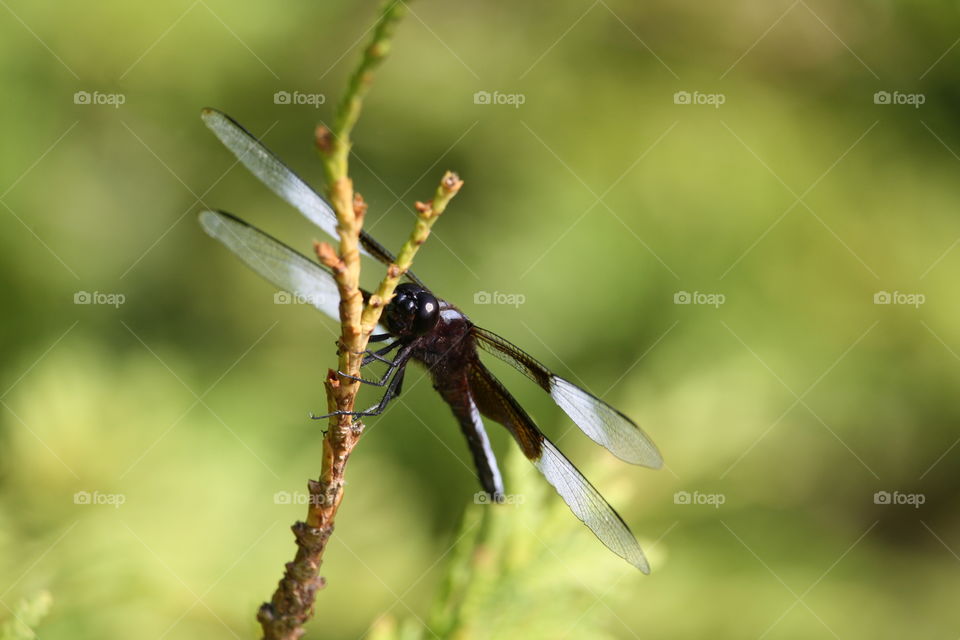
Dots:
{"x": 292, "y": 604}
{"x": 427, "y": 214}
{"x": 348, "y": 111}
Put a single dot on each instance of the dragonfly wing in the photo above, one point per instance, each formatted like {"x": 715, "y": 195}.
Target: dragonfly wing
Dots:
{"x": 589, "y": 506}
{"x": 275, "y": 261}
{"x": 496, "y": 403}
{"x": 602, "y": 423}
{"x": 284, "y": 182}
{"x": 271, "y": 170}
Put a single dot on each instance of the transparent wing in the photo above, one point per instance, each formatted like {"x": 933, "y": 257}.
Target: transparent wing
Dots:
{"x": 282, "y": 180}
{"x": 275, "y": 261}
{"x": 602, "y": 423}
{"x": 271, "y": 170}
{"x": 495, "y": 402}
{"x": 589, "y": 506}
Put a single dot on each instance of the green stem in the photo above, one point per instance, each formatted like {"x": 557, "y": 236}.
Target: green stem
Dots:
{"x": 427, "y": 214}
{"x": 348, "y": 110}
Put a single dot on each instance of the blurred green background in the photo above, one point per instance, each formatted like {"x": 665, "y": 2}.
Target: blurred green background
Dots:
{"x": 783, "y": 413}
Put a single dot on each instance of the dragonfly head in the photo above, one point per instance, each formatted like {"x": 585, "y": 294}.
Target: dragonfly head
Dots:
{"x": 413, "y": 311}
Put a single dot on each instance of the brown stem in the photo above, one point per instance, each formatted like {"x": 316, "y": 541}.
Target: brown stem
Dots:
{"x": 292, "y": 604}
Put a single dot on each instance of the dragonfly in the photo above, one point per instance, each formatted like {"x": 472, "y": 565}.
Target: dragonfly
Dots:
{"x": 419, "y": 327}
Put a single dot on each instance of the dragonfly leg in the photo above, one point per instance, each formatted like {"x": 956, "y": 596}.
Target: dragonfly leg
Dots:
{"x": 373, "y": 383}
{"x": 374, "y": 356}
{"x": 379, "y": 337}
{"x": 393, "y": 390}
{"x": 378, "y": 355}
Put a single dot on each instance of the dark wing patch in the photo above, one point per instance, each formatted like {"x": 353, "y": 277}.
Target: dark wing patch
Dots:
{"x": 496, "y": 403}
{"x": 513, "y": 355}
{"x": 602, "y": 423}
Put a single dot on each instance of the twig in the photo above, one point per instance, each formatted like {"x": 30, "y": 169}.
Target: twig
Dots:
{"x": 292, "y": 603}
{"x": 336, "y": 151}
{"x": 427, "y": 214}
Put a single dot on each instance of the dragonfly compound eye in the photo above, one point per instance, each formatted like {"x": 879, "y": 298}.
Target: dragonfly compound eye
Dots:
{"x": 428, "y": 310}
{"x": 406, "y": 310}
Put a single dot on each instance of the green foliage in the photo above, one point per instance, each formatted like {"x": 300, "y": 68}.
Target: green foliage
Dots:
{"x": 25, "y": 617}
{"x": 104, "y": 399}
{"x": 508, "y": 561}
